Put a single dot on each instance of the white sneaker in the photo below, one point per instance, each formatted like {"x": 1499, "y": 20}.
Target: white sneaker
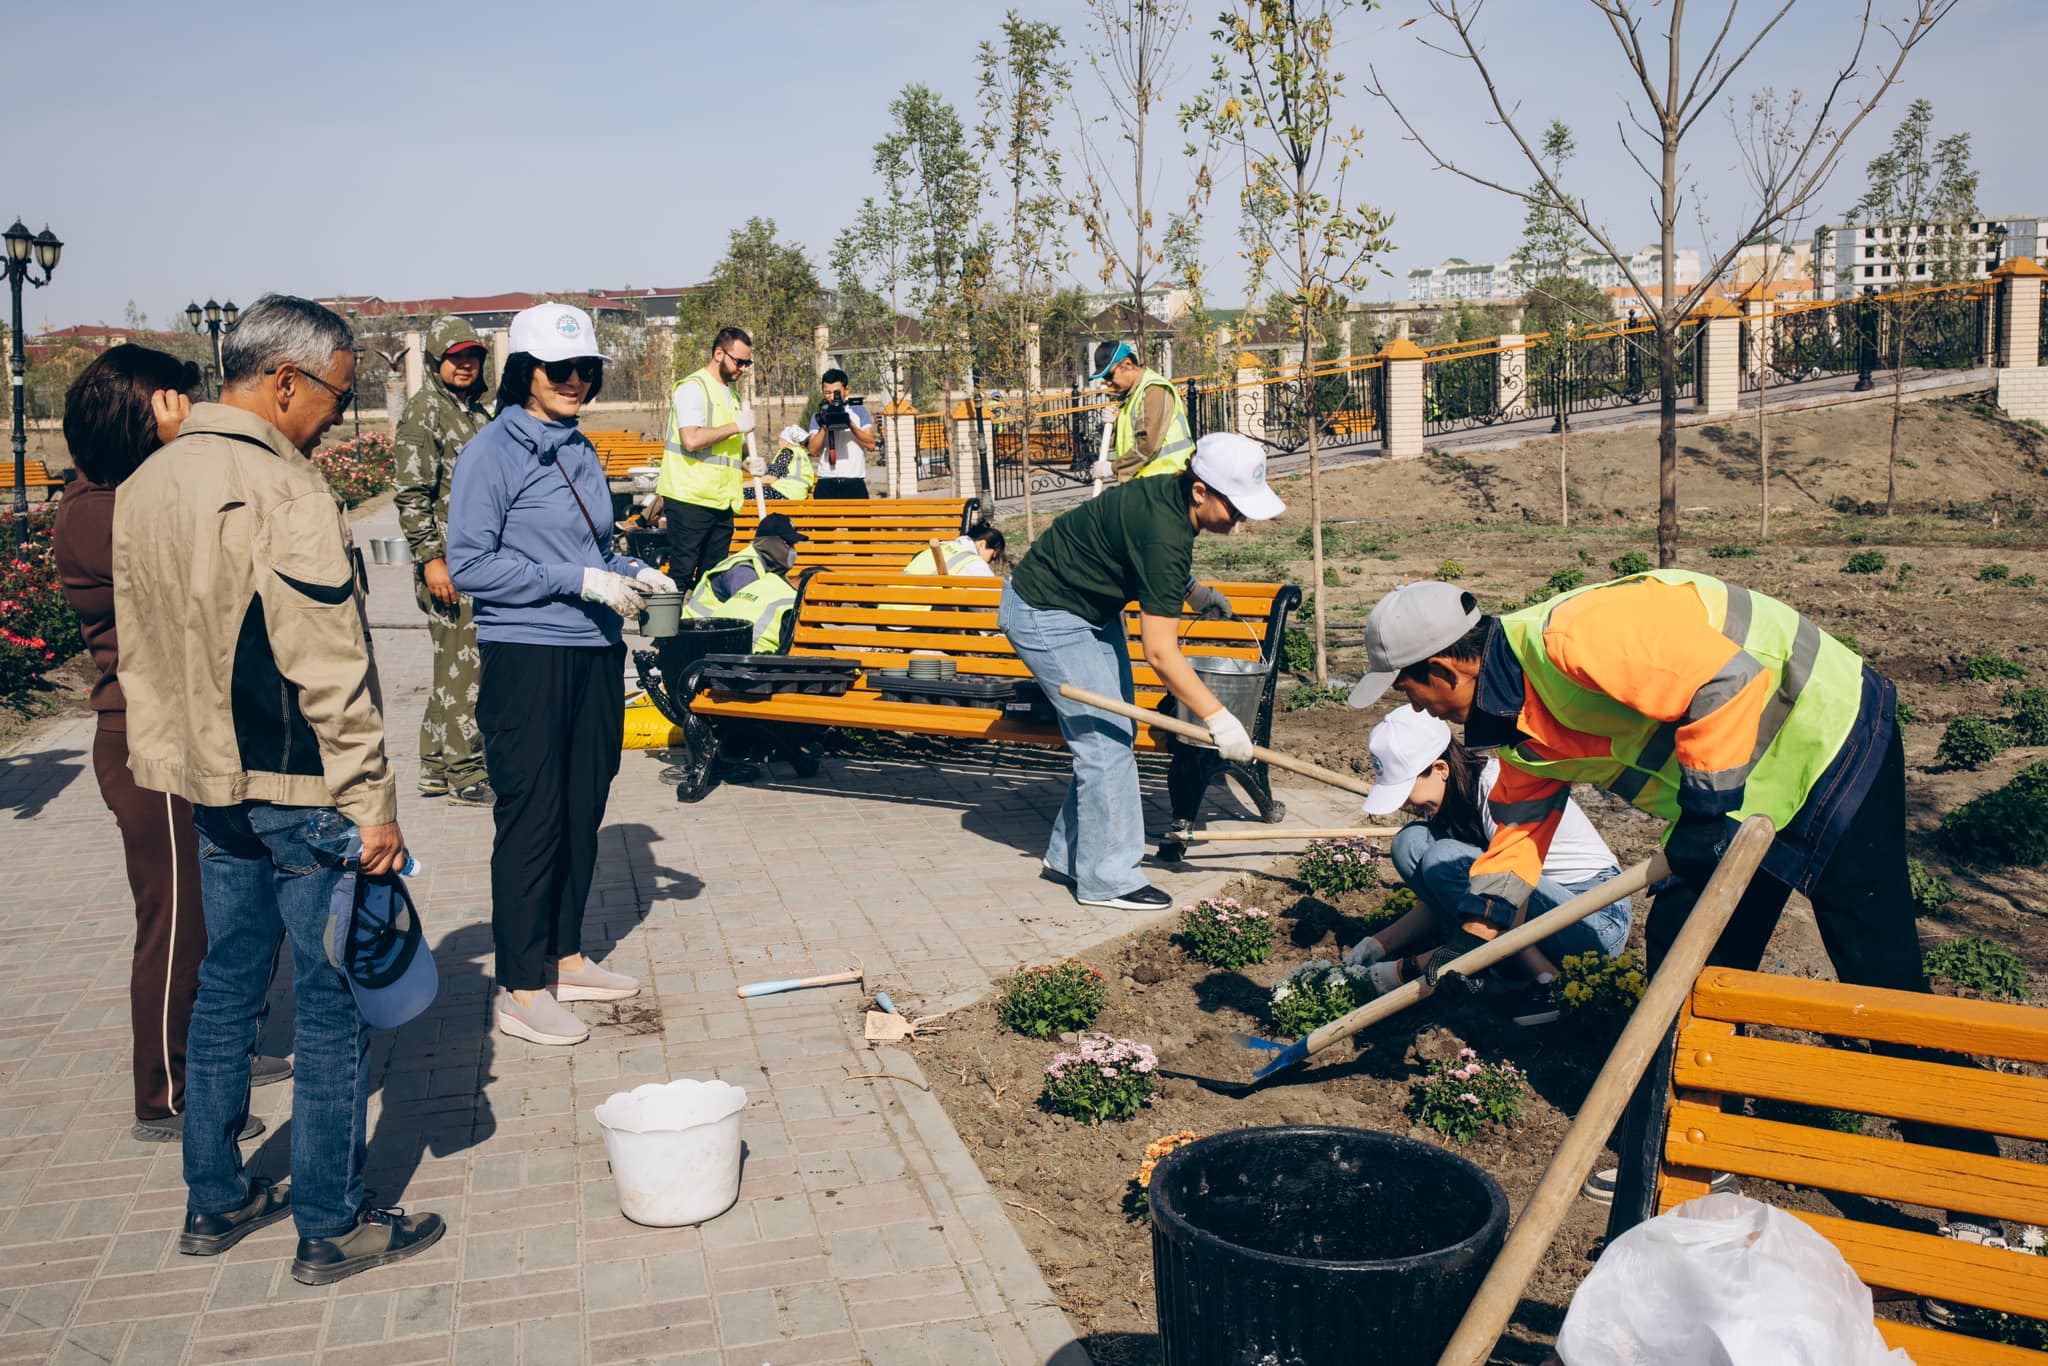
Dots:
{"x": 544, "y": 1021}
{"x": 1599, "y": 1187}
{"x": 593, "y": 983}
{"x": 1944, "y": 1312}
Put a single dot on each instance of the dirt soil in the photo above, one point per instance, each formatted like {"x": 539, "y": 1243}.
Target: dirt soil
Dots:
{"x": 1973, "y": 492}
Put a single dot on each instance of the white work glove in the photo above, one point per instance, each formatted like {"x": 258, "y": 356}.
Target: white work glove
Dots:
{"x": 755, "y": 466}
{"x": 1102, "y": 469}
{"x": 1365, "y": 952}
{"x": 794, "y": 435}
{"x": 656, "y": 581}
{"x": 1232, "y": 741}
{"x": 745, "y": 421}
{"x": 615, "y": 591}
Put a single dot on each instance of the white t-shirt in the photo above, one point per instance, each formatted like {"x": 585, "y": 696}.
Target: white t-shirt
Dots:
{"x": 689, "y": 405}
{"x": 853, "y": 457}
{"x": 1577, "y": 853}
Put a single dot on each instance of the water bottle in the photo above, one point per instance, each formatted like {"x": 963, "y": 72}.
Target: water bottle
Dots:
{"x": 335, "y": 838}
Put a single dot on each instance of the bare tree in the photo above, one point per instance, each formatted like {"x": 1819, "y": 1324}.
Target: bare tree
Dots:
{"x": 1674, "y": 95}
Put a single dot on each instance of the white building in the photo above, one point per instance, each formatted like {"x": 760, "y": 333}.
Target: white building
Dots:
{"x": 1457, "y": 279}
{"x": 1856, "y": 258}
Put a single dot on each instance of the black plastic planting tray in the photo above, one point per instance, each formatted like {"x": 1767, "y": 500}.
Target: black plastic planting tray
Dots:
{"x": 1028, "y": 702}
{"x": 760, "y": 675}
{"x": 961, "y": 690}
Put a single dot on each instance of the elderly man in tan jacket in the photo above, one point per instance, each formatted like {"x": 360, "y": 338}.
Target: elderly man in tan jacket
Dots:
{"x": 252, "y": 695}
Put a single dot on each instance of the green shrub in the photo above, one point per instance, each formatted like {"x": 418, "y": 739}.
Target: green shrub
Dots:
{"x": 38, "y": 630}
{"x": 1330, "y": 579}
{"x": 1565, "y": 580}
{"x": 1865, "y": 562}
{"x": 1970, "y": 742}
{"x": 1978, "y": 965}
{"x": 1297, "y": 651}
{"x": 1225, "y": 934}
{"x": 1730, "y": 552}
{"x": 1932, "y": 892}
{"x": 1102, "y": 1078}
{"x": 1903, "y": 710}
{"x": 1993, "y": 573}
{"x": 1314, "y": 994}
{"x": 1634, "y": 562}
{"x": 2008, "y": 825}
{"x": 1333, "y": 867}
{"x": 1041, "y": 1002}
{"x": 1598, "y": 993}
{"x": 2028, "y": 723}
{"x": 359, "y": 468}
{"x": 1392, "y": 907}
{"x": 1848, "y": 640}
{"x": 2023, "y": 581}
{"x": 1449, "y": 570}
{"x": 1463, "y": 1095}
{"x": 1990, "y": 668}
{"x": 1309, "y": 696}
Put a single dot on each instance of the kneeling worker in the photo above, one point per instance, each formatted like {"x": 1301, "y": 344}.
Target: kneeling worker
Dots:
{"x": 791, "y": 475}
{"x": 973, "y": 556}
{"x": 752, "y": 585}
{"x": 1063, "y": 611}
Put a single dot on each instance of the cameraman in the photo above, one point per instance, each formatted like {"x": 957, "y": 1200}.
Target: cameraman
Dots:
{"x": 843, "y": 434}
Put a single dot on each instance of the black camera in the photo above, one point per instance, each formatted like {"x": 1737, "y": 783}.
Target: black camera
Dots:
{"x": 833, "y": 413}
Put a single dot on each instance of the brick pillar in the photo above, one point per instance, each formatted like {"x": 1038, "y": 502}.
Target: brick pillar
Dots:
{"x": 415, "y": 364}
{"x": 1402, "y": 422}
{"x": 1511, "y": 375}
{"x": 2022, "y": 383}
{"x": 821, "y": 345}
{"x": 501, "y": 351}
{"x": 1720, "y": 383}
{"x": 1756, "y": 309}
{"x": 1344, "y": 336}
{"x": 1248, "y": 398}
{"x": 966, "y": 454}
{"x": 1033, "y": 376}
{"x": 899, "y": 417}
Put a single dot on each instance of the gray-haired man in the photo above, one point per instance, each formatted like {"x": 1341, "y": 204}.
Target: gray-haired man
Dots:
{"x": 251, "y": 694}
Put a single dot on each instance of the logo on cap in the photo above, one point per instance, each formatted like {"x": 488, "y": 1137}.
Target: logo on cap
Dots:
{"x": 568, "y": 326}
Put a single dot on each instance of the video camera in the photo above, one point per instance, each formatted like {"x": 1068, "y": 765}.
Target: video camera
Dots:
{"x": 833, "y": 413}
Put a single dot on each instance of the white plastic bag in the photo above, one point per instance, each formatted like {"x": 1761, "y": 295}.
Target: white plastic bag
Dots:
{"x": 1723, "y": 1281}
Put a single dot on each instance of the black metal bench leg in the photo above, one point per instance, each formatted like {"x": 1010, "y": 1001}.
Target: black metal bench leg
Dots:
{"x": 1255, "y": 781}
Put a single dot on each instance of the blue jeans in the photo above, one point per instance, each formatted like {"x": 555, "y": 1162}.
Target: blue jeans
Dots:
{"x": 1098, "y": 839}
{"x": 1439, "y": 872}
{"x": 261, "y": 884}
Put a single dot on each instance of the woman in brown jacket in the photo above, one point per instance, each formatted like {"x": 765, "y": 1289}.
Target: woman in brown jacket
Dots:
{"x": 117, "y": 412}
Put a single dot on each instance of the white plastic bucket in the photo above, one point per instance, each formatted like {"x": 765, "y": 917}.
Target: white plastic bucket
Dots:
{"x": 675, "y": 1150}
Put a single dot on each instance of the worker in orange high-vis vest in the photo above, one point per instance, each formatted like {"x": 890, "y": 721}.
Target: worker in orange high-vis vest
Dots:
{"x": 1698, "y": 701}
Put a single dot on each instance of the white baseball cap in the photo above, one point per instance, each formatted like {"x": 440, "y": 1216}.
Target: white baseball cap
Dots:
{"x": 554, "y": 332}
{"x": 1409, "y": 625}
{"x": 1403, "y": 747}
{"x": 1235, "y": 466}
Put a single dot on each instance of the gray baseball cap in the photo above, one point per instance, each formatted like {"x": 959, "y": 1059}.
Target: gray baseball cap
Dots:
{"x": 1406, "y": 627}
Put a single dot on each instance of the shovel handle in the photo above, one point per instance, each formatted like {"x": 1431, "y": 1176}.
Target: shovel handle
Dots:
{"x": 830, "y": 979}
{"x": 1189, "y": 731}
{"x": 1270, "y": 836}
{"x": 1627, "y": 883}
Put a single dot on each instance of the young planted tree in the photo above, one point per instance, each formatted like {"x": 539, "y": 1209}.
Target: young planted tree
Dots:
{"x": 1556, "y": 298}
{"x": 871, "y": 260}
{"x": 1674, "y": 92}
{"x": 1115, "y": 203}
{"x": 1023, "y": 80}
{"x": 945, "y": 260}
{"x": 1921, "y": 200}
{"x": 1271, "y": 102}
{"x": 770, "y": 288}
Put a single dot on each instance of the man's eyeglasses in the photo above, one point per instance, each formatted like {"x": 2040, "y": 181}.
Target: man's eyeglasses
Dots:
{"x": 589, "y": 369}
{"x": 343, "y": 398}
{"x": 739, "y": 363}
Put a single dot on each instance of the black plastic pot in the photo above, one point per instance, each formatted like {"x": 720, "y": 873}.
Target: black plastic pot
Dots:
{"x": 1314, "y": 1245}
{"x": 697, "y": 637}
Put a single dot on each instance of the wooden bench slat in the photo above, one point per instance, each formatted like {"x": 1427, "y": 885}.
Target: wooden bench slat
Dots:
{"x": 1856, "y": 1165}
{"x": 1898, "y": 1088}
{"x": 1931, "y": 1347}
{"x": 951, "y": 643}
{"x": 1925, "y": 1264}
{"x": 965, "y": 723}
{"x": 1985, "y": 1028}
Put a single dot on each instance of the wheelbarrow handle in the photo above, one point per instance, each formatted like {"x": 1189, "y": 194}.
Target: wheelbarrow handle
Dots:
{"x": 1189, "y": 731}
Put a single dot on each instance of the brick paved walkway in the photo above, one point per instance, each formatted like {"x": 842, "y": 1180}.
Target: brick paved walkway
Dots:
{"x": 863, "y": 1232}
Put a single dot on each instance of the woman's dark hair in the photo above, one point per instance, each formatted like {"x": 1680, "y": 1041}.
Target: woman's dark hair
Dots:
{"x": 515, "y": 386}
{"x": 1457, "y": 816}
{"x": 986, "y": 533}
{"x": 108, "y": 423}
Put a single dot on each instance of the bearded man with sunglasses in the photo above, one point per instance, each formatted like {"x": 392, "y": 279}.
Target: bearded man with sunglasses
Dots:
{"x": 704, "y": 464}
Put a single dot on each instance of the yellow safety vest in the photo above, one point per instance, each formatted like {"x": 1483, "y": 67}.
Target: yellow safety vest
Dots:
{"x": 1178, "y": 445}
{"x": 801, "y": 479}
{"x": 762, "y": 604}
{"x": 963, "y": 560}
{"x": 709, "y": 478}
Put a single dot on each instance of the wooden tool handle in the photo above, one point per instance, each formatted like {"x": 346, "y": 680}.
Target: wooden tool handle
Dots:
{"x": 1587, "y": 1139}
{"x": 1188, "y": 731}
{"x": 1356, "y": 832}
{"x": 830, "y": 979}
{"x": 1628, "y": 882}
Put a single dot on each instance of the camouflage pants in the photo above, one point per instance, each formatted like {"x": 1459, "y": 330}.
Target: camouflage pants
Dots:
{"x": 451, "y": 746}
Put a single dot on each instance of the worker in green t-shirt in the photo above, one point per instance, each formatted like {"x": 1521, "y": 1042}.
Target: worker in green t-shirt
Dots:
{"x": 1063, "y": 610}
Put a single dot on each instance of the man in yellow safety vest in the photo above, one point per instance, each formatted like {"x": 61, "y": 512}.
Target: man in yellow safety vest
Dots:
{"x": 1152, "y": 431}
{"x": 752, "y": 585}
{"x": 703, "y": 461}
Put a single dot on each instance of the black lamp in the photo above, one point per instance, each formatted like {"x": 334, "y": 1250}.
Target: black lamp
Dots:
{"x": 48, "y": 249}
{"x": 19, "y": 240}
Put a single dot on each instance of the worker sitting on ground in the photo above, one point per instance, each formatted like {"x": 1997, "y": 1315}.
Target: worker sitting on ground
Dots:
{"x": 1423, "y": 770}
{"x": 791, "y": 475}
{"x": 1703, "y": 703}
{"x": 752, "y": 585}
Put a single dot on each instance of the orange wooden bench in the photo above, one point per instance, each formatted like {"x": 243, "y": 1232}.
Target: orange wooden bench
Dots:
{"x": 873, "y": 534}
{"x": 36, "y": 477}
{"x": 881, "y": 618}
{"x": 1715, "y": 1059}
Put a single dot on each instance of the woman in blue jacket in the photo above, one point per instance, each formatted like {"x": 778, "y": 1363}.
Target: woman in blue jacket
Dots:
{"x": 530, "y": 540}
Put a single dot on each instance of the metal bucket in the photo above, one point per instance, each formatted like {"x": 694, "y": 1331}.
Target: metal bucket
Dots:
{"x": 380, "y": 552}
{"x": 397, "y": 550}
{"x": 662, "y": 616}
{"x": 1239, "y": 684}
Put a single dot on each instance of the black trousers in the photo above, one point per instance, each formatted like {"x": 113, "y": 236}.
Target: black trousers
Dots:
{"x": 554, "y": 720}
{"x": 841, "y": 488}
{"x": 698, "y": 537}
{"x": 1863, "y": 906}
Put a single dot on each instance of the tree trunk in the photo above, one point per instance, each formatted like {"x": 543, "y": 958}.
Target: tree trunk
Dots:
{"x": 1023, "y": 348}
{"x": 1306, "y": 315}
{"x": 1763, "y": 447}
{"x": 1891, "y": 468}
{"x": 1667, "y": 443}
{"x": 1564, "y": 495}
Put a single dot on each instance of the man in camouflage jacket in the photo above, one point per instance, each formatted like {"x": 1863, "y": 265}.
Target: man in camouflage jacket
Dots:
{"x": 438, "y": 420}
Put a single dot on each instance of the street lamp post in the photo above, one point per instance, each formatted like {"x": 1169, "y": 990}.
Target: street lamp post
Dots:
{"x": 218, "y": 318}
{"x": 45, "y": 247}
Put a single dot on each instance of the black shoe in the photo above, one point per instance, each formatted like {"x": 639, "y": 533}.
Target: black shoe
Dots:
{"x": 726, "y": 770}
{"x": 433, "y": 787}
{"x": 1530, "y": 1004}
{"x": 1146, "y": 898}
{"x": 209, "y": 1235}
{"x": 268, "y": 1071}
{"x": 1173, "y": 845}
{"x": 477, "y": 793}
{"x": 381, "y": 1236}
{"x": 171, "y": 1129}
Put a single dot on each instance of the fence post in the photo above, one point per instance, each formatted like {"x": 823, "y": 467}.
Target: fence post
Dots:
{"x": 1510, "y": 375}
{"x": 901, "y": 415}
{"x": 2022, "y": 382}
{"x": 415, "y": 364}
{"x": 1756, "y": 308}
{"x": 1248, "y": 397}
{"x": 1720, "y": 383}
{"x": 1866, "y": 342}
{"x": 1402, "y": 422}
{"x": 1191, "y": 405}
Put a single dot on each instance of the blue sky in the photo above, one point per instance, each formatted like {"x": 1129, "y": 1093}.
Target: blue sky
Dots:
{"x": 230, "y": 147}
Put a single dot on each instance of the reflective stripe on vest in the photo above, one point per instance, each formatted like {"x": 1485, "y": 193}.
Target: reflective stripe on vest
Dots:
{"x": 1816, "y": 686}
{"x": 762, "y": 604}
{"x": 958, "y": 558}
{"x": 802, "y": 476}
{"x": 1178, "y": 445}
{"x": 711, "y": 477}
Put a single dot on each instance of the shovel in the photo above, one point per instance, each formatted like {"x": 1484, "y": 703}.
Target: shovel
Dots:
{"x": 1189, "y": 731}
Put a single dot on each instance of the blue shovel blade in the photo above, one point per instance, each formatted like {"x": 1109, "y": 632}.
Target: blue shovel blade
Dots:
{"x": 1284, "y": 1059}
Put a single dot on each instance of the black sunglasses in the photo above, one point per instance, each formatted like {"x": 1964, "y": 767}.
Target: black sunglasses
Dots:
{"x": 343, "y": 398}
{"x": 589, "y": 369}
{"x": 736, "y": 360}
